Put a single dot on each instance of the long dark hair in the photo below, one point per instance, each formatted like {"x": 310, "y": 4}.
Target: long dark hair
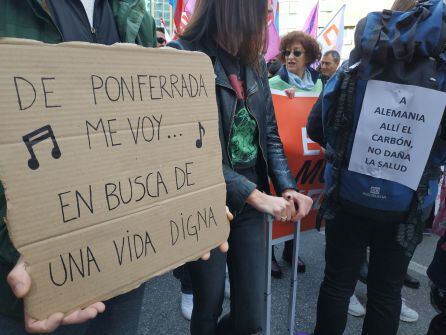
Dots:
{"x": 239, "y": 26}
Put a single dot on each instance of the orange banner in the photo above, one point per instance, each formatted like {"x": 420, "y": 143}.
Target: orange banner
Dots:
{"x": 305, "y": 157}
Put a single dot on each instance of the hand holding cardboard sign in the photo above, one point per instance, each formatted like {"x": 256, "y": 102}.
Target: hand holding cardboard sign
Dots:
{"x": 20, "y": 283}
{"x": 128, "y": 173}
{"x": 224, "y": 247}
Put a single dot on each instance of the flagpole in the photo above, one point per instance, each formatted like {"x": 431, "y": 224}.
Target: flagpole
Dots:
{"x": 334, "y": 16}
{"x": 171, "y": 22}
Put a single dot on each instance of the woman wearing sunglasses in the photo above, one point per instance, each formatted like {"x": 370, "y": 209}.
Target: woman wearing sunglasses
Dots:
{"x": 299, "y": 51}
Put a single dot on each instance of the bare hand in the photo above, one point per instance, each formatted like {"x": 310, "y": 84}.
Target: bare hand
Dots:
{"x": 290, "y": 92}
{"x": 281, "y": 209}
{"x": 301, "y": 202}
{"x": 224, "y": 247}
{"x": 20, "y": 283}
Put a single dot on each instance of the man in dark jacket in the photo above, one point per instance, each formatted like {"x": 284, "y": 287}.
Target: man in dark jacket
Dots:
{"x": 55, "y": 21}
{"x": 329, "y": 64}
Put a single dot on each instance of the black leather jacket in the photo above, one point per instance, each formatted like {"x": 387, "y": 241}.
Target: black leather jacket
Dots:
{"x": 259, "y": 102}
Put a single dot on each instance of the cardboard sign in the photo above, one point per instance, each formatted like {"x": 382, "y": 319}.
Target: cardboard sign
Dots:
{"x": 111, "y": 162}
{"x": 305, "y": 157}
{"x": 396, "y": 132}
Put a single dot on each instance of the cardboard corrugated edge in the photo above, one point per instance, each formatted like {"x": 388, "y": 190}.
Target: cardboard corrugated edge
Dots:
{"x": 119, "y": 46}
{"x": 123, "y": 46}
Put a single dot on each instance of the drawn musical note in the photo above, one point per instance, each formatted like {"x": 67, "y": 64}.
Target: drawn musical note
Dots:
{"x": 199, "y": 142}
{"x": 36, "y": 137}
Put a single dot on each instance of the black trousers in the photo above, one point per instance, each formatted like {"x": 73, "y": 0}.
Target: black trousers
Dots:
{"x": 438, "y": 325}
{"x": 246, "y": 267}
{"x": 182, "y": 274}
{"x": 347, "y": 237}
{"x": 247, "y": 270}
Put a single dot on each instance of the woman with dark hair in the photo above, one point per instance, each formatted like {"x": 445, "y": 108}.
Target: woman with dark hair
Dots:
{"x": 233, "y": 34}
{"x": 298, "y": 51}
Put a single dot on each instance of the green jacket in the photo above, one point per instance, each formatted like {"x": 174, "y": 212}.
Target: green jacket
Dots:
{"x": 30, "y": 19}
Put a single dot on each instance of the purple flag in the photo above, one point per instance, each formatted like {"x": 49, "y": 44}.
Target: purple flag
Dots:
{"x": 190, "y": 6}
{"x": 273, "y": 31}
{"x": 273, "y": 42}
{"x": 311, "y": 24}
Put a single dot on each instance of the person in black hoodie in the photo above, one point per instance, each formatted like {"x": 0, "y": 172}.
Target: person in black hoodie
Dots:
{"x": 345, "y": 233}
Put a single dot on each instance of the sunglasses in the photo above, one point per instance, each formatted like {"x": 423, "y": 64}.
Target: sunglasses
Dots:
{"x": 296, "y": 53}
{"x": 161, "y": 40}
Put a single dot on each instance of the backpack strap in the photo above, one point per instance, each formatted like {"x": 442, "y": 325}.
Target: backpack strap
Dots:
{"x": 342, "y": 122}
{"x": 404, "y": 46}
{"x": 377, "y": 44}
{"x": 410, "y": 232}
{"x": 376, "y": 36}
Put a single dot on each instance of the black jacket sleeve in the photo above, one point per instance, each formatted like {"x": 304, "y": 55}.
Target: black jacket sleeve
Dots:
{"x": 279, "y": 171}
{"x": 8, "y": 254}
{"x": 437, "y": 269}
{"x": 238, "y": 187}
{"x": 315, "y": 129}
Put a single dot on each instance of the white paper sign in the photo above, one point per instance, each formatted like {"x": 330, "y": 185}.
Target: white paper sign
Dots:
{"x": 396, "y": 131}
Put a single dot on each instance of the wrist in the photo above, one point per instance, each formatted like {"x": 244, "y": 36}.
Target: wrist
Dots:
{"x": 255, "y": 198}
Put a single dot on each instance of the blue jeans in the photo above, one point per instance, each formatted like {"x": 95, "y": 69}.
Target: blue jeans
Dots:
{"x": 121, "y": 317}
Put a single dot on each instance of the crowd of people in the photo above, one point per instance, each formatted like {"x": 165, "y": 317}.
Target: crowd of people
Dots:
{"x": 233, "y": 34}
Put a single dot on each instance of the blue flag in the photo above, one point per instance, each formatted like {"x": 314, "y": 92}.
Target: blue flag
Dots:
{"x": 173, "y": 3}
